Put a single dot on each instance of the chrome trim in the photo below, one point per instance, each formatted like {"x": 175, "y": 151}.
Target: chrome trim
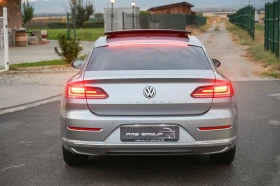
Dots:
{"x": 211, "y": 142}
{"x": 218, "y": 152}
{"x": 195, "y": 144}
{"x": 78, "y": 152}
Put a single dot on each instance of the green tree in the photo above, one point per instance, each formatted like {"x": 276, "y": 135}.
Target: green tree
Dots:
{"x": 98, "y": 15}
{"x": 27, "y": 12}
{"x": 83, "y": 11}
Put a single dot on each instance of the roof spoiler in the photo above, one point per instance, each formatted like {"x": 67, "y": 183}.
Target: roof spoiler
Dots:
{"x": 148, "y": 32}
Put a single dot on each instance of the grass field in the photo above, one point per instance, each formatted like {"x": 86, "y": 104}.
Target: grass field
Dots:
{"x": 89, "y": 34}
{"x": 256, "y": 48}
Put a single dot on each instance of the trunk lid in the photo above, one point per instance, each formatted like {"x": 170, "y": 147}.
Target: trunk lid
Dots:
{"x": 168, "y": 92}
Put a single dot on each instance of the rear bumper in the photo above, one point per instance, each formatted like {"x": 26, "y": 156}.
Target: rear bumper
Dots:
{"x": 107, "y": 141}
{"x": 102, "y": 148}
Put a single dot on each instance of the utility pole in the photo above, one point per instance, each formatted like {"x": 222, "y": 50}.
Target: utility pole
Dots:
{"x": 133, "y": 20}
{"x": 112, "y": 15}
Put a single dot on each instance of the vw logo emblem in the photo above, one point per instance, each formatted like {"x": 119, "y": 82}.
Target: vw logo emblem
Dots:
{"x": 149, "y": 92}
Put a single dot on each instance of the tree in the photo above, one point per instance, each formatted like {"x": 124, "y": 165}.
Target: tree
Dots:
{"x": 27, "y": 12}
{"x": 83, "y": 11}
{"x": 98, "y": 15}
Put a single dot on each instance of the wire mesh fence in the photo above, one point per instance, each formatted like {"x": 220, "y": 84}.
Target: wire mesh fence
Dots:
{"x": 245, "y": 18}
{"x": 164, "y": 21}
{"x": 195, "y": 20}
{"x": 272, "y": 29}
{"x": 161, "y": 21}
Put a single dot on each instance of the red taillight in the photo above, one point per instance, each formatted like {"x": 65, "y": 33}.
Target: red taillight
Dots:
{"x": 217, "y": 91}
{"x": 84, "y": 129}
{"x": 81, "y": 92}
{"x": 215, "y": 128}
{"x": 137, "y": 44}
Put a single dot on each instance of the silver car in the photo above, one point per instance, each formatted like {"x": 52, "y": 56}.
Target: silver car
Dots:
{"x": 148, "y": 92}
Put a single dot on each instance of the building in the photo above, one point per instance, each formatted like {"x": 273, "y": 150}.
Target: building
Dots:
{"x": 14, "y": 12}
{"x": 176, "y": 8}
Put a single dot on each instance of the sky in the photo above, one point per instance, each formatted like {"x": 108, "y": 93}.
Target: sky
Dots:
{"x": 58, "y": 6}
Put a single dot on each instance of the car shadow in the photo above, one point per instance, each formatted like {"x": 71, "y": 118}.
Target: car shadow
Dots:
{"x": 149, "y": 169}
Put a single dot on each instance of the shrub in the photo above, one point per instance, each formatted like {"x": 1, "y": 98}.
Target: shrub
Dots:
{"x": 70, "y": 49}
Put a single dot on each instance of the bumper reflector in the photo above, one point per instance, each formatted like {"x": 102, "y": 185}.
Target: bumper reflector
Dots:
{"x": 215, "y": 128}
{"x": 84, "y": 129}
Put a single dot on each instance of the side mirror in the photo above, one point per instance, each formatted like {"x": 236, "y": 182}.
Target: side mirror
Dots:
{"x": 216, "y": 62}
{"x": 77, "y": 63}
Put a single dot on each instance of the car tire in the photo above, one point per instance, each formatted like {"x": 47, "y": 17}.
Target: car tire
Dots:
{"x": 73, "y": 159}
{"x": 223, "y": 158}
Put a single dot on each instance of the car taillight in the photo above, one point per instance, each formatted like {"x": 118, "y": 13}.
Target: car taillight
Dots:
{"x": 219, "y": 90}
{"x": 81, "y": 92}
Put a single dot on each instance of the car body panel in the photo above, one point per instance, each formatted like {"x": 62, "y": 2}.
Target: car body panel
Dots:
{"x": 126, "y": 88}
{"x": 131, "y": 108}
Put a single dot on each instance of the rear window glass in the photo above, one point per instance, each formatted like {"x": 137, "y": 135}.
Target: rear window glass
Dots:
{"x": 148, "y": 57}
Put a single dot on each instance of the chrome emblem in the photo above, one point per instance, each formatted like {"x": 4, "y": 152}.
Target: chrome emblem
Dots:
{"x": 149, "y": 92}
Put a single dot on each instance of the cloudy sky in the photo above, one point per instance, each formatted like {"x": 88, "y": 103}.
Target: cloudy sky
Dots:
{"x": 57, "y": 6}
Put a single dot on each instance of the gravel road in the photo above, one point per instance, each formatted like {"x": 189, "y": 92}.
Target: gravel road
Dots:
{"x": 236, "y": 67}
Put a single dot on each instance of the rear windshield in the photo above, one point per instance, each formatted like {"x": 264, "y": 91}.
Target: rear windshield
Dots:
{"x": 148, "y": 57}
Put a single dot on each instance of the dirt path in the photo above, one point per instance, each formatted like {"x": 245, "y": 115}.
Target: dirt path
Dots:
{"x": 220, "y": 46}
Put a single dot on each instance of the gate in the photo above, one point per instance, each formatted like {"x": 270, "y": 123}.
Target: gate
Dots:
{"x": 4, "y": 45}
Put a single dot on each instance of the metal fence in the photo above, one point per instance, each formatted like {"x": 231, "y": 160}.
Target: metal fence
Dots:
{"x": 245, "y": 18}
{"x": 131, "y": 21}
{"x": 162, "y": 21}
{"x": 195, "y": 20}
{"x": 272, "y": 18}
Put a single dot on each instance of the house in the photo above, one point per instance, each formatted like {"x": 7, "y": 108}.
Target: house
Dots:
{"x": 176, "y": 8}
{"x": 14, "y": 12}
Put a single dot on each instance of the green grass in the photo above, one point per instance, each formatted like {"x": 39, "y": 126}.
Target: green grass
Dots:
{"x": 272, "y": 74}
{"x": 57, "y": 62}
{"x": 40, "y": 63}
{"x": 217, "y": 28}
{"x": 256, "y": 48}
{"x": 88, "y": 34}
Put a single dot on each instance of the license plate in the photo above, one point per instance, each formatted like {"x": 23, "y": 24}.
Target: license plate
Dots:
{"x": 150, "y": 134}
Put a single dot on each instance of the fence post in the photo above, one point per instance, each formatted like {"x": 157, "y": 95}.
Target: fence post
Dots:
{"x": 123, "y": 20}
{"x": 68, "y": 27}
{"x": 278, "y": 28}
{"x": 6, "y": 39}
{"x": 266, "y": 26}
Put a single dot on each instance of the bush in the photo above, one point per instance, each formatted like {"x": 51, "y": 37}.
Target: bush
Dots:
{"x": 70, "y": 49}
{"x": 58, "y": 25}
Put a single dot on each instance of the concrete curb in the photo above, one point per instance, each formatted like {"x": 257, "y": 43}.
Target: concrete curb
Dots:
{"x": 29, "y": 105}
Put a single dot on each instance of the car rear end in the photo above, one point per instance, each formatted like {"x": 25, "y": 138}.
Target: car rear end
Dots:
{"x": 148, "y": 95}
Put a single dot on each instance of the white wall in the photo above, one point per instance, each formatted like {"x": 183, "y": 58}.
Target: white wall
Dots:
{"x": 118, "y": 20}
